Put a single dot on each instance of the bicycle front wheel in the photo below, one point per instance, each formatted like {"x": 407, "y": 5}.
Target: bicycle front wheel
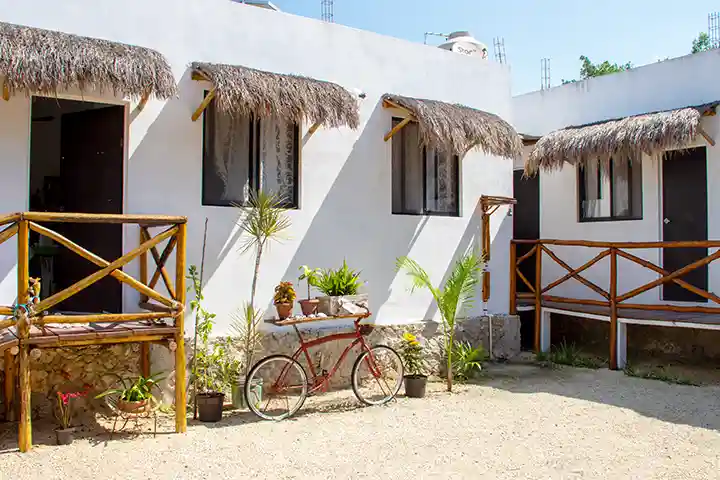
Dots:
{"x": 377, "y": 375}
{"x": 276, "y": 387}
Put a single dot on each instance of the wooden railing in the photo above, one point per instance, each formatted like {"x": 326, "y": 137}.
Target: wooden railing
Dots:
{"x": 612, "y": 299}
{"x": 24, "y": 314}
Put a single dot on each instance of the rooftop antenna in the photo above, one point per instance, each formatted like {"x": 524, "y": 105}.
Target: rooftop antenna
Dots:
{"x": 499, "y": 48}
{"x": 328, "y": 14}
{"x": 431, "y": 34}
{"x": 544, "y": 73}
{"x": 714, "y": 29}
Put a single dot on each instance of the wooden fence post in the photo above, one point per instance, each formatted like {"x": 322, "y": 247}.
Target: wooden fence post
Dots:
{"x": 180, "y": 361}
{"x": 613, "y": 309}
{"x": 538, "y": 295}
{"x": 23, "y": 327}
{"x": 9, "y": 385}
{"x": 513, "y": 278}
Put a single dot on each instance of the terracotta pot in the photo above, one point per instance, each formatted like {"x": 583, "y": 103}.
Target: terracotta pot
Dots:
{"x": 284, "y": 310}
{"x": 415, "y": 386}
{"x": 65, "y": 436}
{"x": 210, "y": 406}
{"x": 309, "y": 306}
{"x": 141, "y": 406}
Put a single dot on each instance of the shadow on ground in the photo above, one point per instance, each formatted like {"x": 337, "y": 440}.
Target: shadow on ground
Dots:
{"x": 679, "y": 404}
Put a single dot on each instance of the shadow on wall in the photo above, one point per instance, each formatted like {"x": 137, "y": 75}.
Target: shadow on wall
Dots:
{"x": 354, "y": 221}
{"x": 166, "y": 177}
{"x": 499, "y": 253}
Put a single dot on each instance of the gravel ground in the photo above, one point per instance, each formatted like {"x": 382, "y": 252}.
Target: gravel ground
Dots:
{"x": 521, "y": 422}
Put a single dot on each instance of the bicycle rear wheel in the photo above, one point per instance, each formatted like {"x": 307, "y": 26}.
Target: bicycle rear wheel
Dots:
{"x": 377, "y": 375}
{"x": 284, "y": 387}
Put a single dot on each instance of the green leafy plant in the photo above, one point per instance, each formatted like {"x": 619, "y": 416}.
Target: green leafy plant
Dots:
{"x": 336, "y": 283}
{"x": 310, "y": 276}
{"x": 134, "y": 390}
{"x": 456, "y": 296}
{"x": 212, "y": 369}
{"x": 265, "y": 220}
{"x": 411, "y": 352}
{"x": 284, "y": 293}
{"x": 570, "y": 354}
{"x": 467, "y": 360}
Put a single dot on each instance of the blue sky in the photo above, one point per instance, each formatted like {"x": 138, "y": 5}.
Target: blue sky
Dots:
{"x": 637, "y": 31}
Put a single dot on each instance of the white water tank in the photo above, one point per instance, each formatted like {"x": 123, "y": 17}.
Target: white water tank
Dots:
{"x": 465, "y": 44}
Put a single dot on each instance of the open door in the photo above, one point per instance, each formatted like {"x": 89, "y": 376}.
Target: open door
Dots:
{"x": 685, "y": 212}
{"x": 91, "y": 175}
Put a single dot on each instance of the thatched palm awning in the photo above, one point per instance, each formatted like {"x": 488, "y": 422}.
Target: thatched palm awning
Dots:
{"x": 45, "y": 62}
{"x": 244, "y": 91}
{"x": 650, "y": 133}
{"x": 456, "y": 128}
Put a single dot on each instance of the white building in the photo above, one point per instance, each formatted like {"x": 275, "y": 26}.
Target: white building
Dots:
{"x": 342, "y": 181}
{"x": 664, "y": 193}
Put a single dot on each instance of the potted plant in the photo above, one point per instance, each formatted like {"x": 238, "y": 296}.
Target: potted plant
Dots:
{"x": 456, "y": 296}
{"x": 134, "y": 396}
{"x": 284, "y": 300}
{"x": 65, "y": 434}
{"x": 412, "y": 356}
{"x": 340, "y": 287}
{"x": 247, "y": 327}
{"x": 309, "y": 305}
{"x": 208, "y": 363}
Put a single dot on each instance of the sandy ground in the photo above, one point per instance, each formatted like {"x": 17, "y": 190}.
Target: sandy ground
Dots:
{"x": 520, "y": 422}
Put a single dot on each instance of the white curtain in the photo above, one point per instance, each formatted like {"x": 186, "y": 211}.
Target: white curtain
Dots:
{"x": 231, "y": 152}
{"x": 277, "y": 157}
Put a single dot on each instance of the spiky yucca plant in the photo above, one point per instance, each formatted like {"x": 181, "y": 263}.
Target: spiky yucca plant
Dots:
{"x": 456, "y": 296}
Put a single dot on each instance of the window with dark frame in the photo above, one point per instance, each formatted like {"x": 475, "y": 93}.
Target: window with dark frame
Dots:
{"x": 243, "y": 153}
{"x": 424, "y": 182}
{"x": 610, "y": 190}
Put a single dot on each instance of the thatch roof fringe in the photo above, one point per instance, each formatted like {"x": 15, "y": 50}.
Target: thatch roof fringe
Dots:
{"x": 650, "y": 133}
{"x": 241, "y": 90}
{"x": 457, "y": 129}
{"x": 45, "y": 62}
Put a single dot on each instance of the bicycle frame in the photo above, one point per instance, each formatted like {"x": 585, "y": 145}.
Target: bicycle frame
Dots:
{"x": 321, "y": 380}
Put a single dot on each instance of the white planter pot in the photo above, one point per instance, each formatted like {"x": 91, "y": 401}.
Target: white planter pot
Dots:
{"x": 333, "y": 306}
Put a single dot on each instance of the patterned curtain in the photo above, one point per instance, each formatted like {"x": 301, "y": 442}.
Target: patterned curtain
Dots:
{"x": 447, "y": 179}
{"x": 277, "y": 157}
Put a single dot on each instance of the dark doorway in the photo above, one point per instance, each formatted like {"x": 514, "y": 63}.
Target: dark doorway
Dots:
{"x": 684, "y": 218}
{"x": 76, "y": 165}
{"x": 526, "y": 226}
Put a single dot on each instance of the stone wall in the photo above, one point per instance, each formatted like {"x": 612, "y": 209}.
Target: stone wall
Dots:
{"x": 506, "y": 344}
{"x": 95, "y": 368}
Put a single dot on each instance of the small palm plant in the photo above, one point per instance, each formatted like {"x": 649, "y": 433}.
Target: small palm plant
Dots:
{"x": 456, "y": 296}
{"x": 266, "y": 220}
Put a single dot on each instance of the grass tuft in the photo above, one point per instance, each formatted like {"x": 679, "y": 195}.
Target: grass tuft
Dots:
{"x": 660, "y": 373}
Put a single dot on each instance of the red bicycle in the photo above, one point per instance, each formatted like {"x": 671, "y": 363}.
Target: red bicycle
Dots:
{"x": 276, "y": 387}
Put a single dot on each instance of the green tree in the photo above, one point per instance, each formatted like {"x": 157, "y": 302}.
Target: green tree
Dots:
{"x": 702, "y": 43}
{"x": 457, "y": 296}
{"x": 590, "y": 70}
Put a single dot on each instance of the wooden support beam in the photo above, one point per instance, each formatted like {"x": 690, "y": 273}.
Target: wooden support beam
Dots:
{"x": 311, "y": 131}
{"x": 147, "y": 220}
{"x": 9, "y": 385}
{"x": 100, "y": 318}
{"x": 527, "y": 255}
{"x": 101, "y": 262}
{"x": 140, "y": 106}
{"x": 23, "y": 328}
{"x": 143, "y": 267}
{"x": 8, "y": 233}
{"x": 613, "y": 310}
{"x": 89, "y": 280}
{"x": 513, "y": 279}
{"x": 203, "y": 105}
{"x": 7, "y": 323}
{"x": 390, "y": 104}
{"x": 398, "y": 127}
{"x": 160, "y": 261}
{"x": 5, "y": 92}
{"x": 153, "y": 307}
{"x": 706, "y": 136}
{"x": 180, "y": 360}
{"x": 61, "y": 342}
{"x": 145, "y": 359}
{"x": 538, "y": 298}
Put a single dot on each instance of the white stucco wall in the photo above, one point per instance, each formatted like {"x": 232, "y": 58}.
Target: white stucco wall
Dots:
{"x": 685, "y": 81}
{"x": 345, "y": 187}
